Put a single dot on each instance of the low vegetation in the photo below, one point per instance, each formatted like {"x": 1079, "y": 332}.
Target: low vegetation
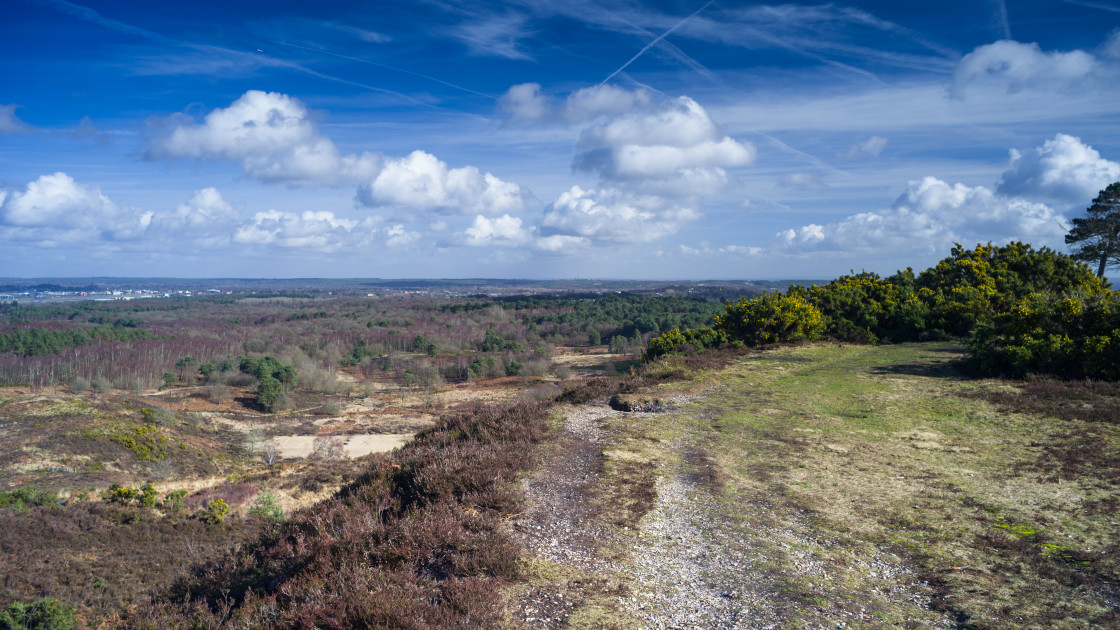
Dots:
{"x": 873, "y": 486}
{"x": 843, "y": 446}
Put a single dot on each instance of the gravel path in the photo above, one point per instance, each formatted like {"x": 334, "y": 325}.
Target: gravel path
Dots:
{"x": 686, "y": 565}
{"x": 558, "y": 524}
{"x": 683, "y": 576}
{"x": 680, "y": 571}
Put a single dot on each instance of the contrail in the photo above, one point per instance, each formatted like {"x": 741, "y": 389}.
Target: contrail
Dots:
{"x": 1094, "y": 5}
{"x": 393, "y": 68}
{"x": 819, "y": 163}
{"x": 89, "y": 15}
{"x": 654, "y": 42}
{"x": 1006, "y": 23}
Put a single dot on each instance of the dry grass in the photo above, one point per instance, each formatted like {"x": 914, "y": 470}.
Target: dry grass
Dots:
{"x": 878, "y": 486}
{"x": 890, "y": 450}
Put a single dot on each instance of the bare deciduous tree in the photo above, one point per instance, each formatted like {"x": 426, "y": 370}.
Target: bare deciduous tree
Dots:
{"x": 270, "y": 453}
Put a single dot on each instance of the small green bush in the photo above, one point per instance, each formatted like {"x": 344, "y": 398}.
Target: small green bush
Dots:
{"x": 264, "y": 506}
{"x": 677, "y": 342}
{"x": 173, "y": 501}
{"x": 269, "y": 392}
{"x": 124, "y": 495}
{"x": 43, "y": 614}
{"x": 22, "y": 499}
{"x": 148, "y": 495}
{"x": 215, "y": 512}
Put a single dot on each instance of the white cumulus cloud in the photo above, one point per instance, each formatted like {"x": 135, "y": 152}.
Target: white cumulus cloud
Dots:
{"x": 674, "y": 147}
{"x": 274, "y": 138}
{"x": 55, "y": 209}
{"x": 206, "y": 211}
{"x": 401, "y": 237}
{"x": 420, "y": 180}
{"x": 929, "y": 216}
{"x": 505, "y": 231}
{"x": 614, "y": 216}
{"x": 1063, "y": 169}
{"x": 57, "y": 201}
{"x": 524, "y": 102}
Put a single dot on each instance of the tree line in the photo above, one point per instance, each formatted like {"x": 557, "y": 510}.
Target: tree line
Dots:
{"x": 1021, "y": 310}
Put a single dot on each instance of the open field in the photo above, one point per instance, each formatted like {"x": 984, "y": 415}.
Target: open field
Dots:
{"x": 829, "y": 486}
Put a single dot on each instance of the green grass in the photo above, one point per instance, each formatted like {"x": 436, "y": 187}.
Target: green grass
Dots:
{"x": 989, "y": 507}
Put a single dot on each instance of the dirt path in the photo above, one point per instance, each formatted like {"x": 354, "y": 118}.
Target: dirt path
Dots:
{"x": 675, "y": 571}
{"x": 683, "y": 561}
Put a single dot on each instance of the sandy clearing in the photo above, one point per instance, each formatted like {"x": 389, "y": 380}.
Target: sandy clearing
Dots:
{"x": 301, "y": 446}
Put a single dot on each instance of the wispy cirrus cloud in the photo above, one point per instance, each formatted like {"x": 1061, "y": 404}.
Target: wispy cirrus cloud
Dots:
{"x": 89, "y": 15}
{"x": 10, "y": 122}
{"x": 495, "y": 35}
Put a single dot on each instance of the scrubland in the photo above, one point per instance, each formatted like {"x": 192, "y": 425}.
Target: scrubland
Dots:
{"x": 532, "y": 479}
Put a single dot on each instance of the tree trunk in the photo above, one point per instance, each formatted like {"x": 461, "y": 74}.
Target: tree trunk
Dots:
{"x": 1104, "y": 261}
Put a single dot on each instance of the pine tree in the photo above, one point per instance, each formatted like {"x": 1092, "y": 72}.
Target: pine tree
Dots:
{"x": 1096, "y": 237}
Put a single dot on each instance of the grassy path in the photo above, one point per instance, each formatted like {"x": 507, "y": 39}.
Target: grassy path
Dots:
{"x": 865, "y": 486}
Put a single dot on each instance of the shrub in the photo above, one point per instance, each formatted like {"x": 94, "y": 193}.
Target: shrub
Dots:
{"x": 117, "y": 493}
{"x": 100, "y": 385}
{"x": 215, "y": 512}
{"x": 21, "y": 499}
{"x": 865, "y": 308}
{"x": 264, "y": 506}
{"x": 173, "y": 501}
{"x": 771, "y": 318}
{"x": 145, "y": 441}
{"x": 242, "y": 380}
{"x": 269, "y": 367}
{"x": 148, "y": 495}
{"x": 676, "y": 342}
{"x": 1066, "y": 336}
{"x": 157, "y": 415}
{"x": 970, "y": 286}
{"x": 43, "y": 614}
{"x": 217, "y": 394}
{"x": 79, "y": 385}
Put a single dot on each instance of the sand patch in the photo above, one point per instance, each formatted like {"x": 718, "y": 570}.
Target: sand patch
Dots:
{"x": 301, "y": 446}
{"x": 586, "y": 357}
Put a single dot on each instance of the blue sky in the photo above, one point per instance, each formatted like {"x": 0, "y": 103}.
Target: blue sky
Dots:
{"x": 540, "y": 139}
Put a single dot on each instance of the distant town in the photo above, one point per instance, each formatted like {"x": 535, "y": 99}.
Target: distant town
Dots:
{"x": 47, "y": 290}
